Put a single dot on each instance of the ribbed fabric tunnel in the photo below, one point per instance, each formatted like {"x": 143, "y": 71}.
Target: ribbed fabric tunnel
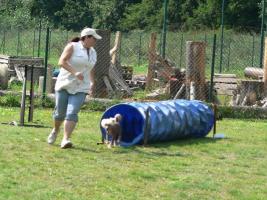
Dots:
{"x": 168, "y": 120}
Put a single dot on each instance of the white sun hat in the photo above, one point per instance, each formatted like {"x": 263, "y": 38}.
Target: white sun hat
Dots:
{"x": 90, "y": 31}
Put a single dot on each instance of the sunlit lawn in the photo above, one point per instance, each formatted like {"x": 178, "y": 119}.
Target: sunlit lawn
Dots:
{"x": 230, "y": 168}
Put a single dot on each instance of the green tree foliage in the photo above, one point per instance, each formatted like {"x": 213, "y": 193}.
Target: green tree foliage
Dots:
{"x": 144, "y": 15}
{"x": 206, "y": 14}
{"x": 76, "y": 15}
{"x": 47, "y": 10}
{"x": 15, "y": 13}
{"x": 68, "y": 14}
{"x": 131, "y": 14}
{"x": 243, "y": 13}
{"x": 109, "y": 13}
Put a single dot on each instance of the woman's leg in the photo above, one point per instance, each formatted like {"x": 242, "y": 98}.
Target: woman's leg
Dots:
{"x": 68, "y": 129}
{"x": 61, "y": 98}
{"x": 74, "y": 105}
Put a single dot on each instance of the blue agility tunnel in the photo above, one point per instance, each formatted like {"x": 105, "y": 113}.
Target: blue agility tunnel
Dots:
{"x": 161, "y": 121}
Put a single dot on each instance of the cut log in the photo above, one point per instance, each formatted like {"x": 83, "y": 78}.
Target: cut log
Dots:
{"x": 253, "y": 72}
{"x": 195, "y": 68}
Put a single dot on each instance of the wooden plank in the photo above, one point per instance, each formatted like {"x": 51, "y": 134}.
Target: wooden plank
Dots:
{"x": 224, "y": 76}
{"x": 108, "y": 85}
{"x": 225, "y": 86}
{"x": 225, "y": 80}
{"x": 224, "y": 92}
{"x": 118, "y": 81}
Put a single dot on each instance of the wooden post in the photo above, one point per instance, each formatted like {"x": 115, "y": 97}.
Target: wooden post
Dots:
{"x": 101, "y": 68}
{"x": 195, "y": 68}
{"x": 23, "y": 98}
{"x": 192, "y": 91}
{"x": 4, "y": 76}
{"x": 151, "y": 60}
{"x": 31, "y": 107}
{"x": 265, "y": 69}
{"x": 114, "y": 50}
{"x": 147, "y": 126}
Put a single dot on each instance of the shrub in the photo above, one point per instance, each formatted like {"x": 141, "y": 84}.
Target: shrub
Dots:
{"x": 10, "y": 100}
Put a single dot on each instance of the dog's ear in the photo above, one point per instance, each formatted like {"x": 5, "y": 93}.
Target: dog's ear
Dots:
{"x": 118, "y": 117}
{"x": 104, "y": 123}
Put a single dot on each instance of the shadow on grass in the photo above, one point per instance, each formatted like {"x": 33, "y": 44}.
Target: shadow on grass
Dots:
{"x": 186, "y": 142}
{"x": 85, "y": 149}
{"x": 161, "y": 149}
{"x": 25, "y": 125}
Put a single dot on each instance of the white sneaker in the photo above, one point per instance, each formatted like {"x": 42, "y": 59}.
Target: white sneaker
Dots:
{"x": 66, "y": 143}
{"x": 52, "y": 137}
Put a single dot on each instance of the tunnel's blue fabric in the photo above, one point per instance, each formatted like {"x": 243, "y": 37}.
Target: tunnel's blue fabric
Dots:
{"x": 168, "y": 120}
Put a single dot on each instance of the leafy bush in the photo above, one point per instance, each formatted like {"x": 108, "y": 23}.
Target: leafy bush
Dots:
{"x": 97, "y": 105}
{"x": 10, "y": 100}
{"x": 242, "y": 112}
{"x": 44, "y": 102}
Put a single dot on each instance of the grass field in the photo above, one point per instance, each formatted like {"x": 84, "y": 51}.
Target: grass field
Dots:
{"x": 231, "y": 168}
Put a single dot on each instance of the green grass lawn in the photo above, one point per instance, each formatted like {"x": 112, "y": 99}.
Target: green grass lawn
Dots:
{"x": 231, "y": 168}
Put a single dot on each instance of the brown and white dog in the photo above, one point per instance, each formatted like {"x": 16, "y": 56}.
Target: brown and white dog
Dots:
{"x": 113, "y": 128}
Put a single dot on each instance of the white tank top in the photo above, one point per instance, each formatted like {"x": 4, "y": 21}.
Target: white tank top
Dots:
{"x": 81, "y": 62}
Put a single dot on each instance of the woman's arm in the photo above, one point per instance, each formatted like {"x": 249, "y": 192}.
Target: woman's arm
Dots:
{"x": 92, "y": 79}
{"x": 64, "y": 61}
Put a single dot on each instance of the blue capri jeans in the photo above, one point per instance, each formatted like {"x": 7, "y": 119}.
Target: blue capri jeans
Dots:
{"x": 68, "y": 105}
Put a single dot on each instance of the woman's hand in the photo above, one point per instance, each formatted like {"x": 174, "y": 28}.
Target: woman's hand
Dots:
{"x": 79, "y": 76}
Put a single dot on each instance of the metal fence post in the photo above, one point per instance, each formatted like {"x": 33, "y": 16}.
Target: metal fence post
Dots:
{"x": 212, "y": 68}
{"x": 253, "y": 50}
{"x": 140, "y": 49}
{"x": 262, "y": 32}
{"x": 45, "y": 62}
{"x": 39, "y": 38}
{"x": 222, "y": 35}
{"x": 181, "y": 49}
{"x": 33, "y": 46}
{"x": 3, "y": 45}
{"x": 229, "y": 54}
{"x": 49, "y": 42}
{"x": 18, "y": 41}
{"x": 166, "y": 2}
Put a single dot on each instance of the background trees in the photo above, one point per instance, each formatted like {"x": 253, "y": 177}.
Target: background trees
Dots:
{"x": 131, "y": 14}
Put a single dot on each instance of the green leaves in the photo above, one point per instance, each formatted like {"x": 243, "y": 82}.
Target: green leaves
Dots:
{"x": 128, "y": 15}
